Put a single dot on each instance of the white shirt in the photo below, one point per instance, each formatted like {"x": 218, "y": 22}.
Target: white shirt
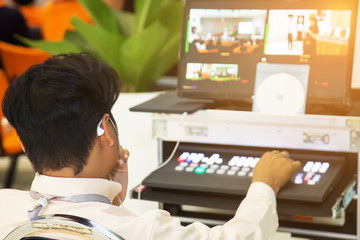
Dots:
{"x": 256, "y": 217}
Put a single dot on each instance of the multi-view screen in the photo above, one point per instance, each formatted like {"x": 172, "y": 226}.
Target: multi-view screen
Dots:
{"x": 281, "y": 32}
{"x": 223, "y": 47}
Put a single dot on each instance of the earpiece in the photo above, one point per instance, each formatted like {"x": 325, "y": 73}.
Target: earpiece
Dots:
{"x": 99, "y": 130}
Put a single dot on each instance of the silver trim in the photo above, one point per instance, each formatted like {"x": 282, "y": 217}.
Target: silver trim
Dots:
{"x": 63, "y": 223}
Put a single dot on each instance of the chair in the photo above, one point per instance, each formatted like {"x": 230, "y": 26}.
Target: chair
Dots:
{"x": 32, "y": 15}
{"x": 61, "y": 226}
{"x": 17, "y": 59}
{"x": 9, "y": 140}
{"x": 57, "y": 15}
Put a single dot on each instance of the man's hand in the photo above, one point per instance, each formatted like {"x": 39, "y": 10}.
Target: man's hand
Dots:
{"x": 120, "y": 174}
{"x": 275, "y": 169}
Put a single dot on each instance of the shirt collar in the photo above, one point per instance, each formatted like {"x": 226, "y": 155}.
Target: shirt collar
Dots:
{"x": 74, "y": 186}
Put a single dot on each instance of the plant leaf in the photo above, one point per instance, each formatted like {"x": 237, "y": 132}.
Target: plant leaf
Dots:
{"x": 126, "y": 23}
{"x": 138, "y": 50}
{"x": 79, "y": 41}
{"x": 157, "y": 9}
{"x": 141, "y": 11}
{"x": 166, "y": 58}
{"x": 169, "y": 15}
{"x": 51, "y": 47}
{"x": 101, "y": 14}
{"x": 103, "y": 42}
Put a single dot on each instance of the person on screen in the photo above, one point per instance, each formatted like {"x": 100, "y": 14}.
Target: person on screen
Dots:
{"x": 210, "y": 45}
{"x": 61, "y": 110}
{"x": 310, "y": 47}
{"x": 291, "y": 32}
{"x": 193, "y": 35}
{"x": 300, "y": 28}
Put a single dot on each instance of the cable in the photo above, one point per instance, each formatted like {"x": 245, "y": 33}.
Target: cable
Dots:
{"x": 171, "y": 155}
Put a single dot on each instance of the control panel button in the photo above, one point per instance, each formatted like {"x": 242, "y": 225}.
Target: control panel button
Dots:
{"x": 214, "y": 166}
{"x": 200, "y": 170}
{"x": 224, "y": 167}
{"x": 179, "y": 168}
{"x": 324, "y": 167}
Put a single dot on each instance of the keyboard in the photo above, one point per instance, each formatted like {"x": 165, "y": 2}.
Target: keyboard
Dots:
{"x": 229, "y": 171}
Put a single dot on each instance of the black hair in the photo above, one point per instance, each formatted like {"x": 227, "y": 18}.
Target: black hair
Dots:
{"x": 55, "y": 108}
{"x": 24, "y": 2}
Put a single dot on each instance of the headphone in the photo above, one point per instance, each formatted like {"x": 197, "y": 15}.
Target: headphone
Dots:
{"x": 99, "y": 130}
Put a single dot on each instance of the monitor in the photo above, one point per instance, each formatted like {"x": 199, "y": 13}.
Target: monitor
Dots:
{"x": 233, "y": 48}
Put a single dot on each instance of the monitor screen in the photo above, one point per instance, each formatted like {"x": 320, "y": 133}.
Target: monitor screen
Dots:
{"x": 253, "y": 51}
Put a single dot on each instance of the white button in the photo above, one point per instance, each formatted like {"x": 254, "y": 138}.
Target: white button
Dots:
{"x": 192, "y": 156}
{"x": 198, "y": 158}
{"x": 251, "y": 174}
{"x": 194, "y": 165}
{"x": 298, "y": 180}
{"x": 309, "y": 175}
{"x": 308, "y": 166}
{"x": 234, "y": 160}
{"x": 219, "y": 161}
{"x": 241, "y": 174}
{"x": 324, "y": 167}
{"x": 317, "y": 177}
{"x": 214, "y": 166}
{"x": 245, "y": 169}
{"x": 189, "y": 169}
{"x": 220, "y": 171}
{"x": 204, "y": 165}
{"x": 232, "y": 163}
{"x": 210, "y": 170}
{"x": 231, "y": 172}
{"x": 213, "y": 158}
{"x": 254, "y": 162}
{"x": 316, "y": 167}
{"x": 179, "y": 168}
{"x": 225, "y": 167}
{"x": 185, "y": 155}
{"x": 235, "y": 168}
{"x": 211, "y": 161}
{"x": 241, "y": 161}
{"x": 204, "y": 159}
{"x": 311, "y": 182}
{"x": 183, "y": 164}
{"x": 248, "y": 162}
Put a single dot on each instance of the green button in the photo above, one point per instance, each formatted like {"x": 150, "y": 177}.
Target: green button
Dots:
{"x": 200, "y": 170}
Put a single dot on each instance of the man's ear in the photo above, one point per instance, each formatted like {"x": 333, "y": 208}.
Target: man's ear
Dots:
{"x": 104, "y": 130}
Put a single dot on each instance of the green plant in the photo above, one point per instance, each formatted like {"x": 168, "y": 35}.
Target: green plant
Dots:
{"x": 140, "y": 46}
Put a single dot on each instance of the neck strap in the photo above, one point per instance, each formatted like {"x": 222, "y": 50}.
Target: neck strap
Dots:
{"x": 43, "y": 200}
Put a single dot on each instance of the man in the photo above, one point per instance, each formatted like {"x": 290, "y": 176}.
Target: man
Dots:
{"x": 61, "y": 110}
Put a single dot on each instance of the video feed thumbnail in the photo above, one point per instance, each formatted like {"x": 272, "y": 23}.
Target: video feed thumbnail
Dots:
{"x": 308, "y": 32}
{"x": 213, "y": 72}
{"x": 226, "y": 31}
